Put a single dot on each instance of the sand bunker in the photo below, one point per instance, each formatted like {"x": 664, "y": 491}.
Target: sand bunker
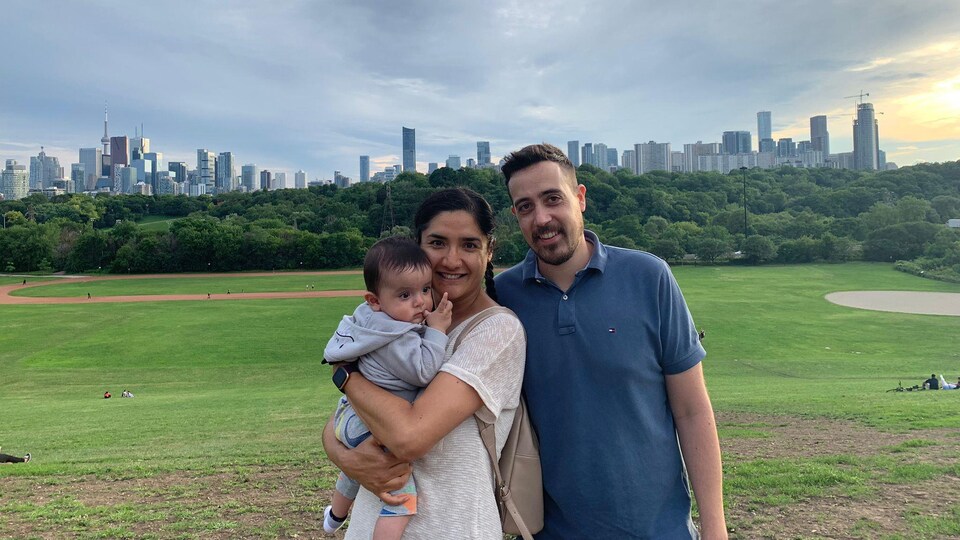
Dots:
{"x": 923, "y": 303}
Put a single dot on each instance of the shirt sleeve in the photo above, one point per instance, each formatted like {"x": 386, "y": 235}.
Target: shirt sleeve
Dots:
{"x": 491, "y": 360}
{"x": 680, "y": 345}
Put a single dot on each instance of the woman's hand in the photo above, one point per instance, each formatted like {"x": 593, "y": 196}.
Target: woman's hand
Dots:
{"x": 370, "y": 464}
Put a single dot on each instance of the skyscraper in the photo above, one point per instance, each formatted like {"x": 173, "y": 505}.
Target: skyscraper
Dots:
{"x": 14, "y": 181}
{"x": 736, "y": 142}
{"x": 178, "y": 170}
{"x": 409, "y": 150}
{"x": 693, "y": 151}
{"x": 819, "y": 135}
{"x": 866, "y": 139}
{"x": 586, "y": 155}
{"x": 226, "y": 172}
{"x": 573, "y": 152}
{"x": 453, "y": 162}
{"x": 92, "y": 159}
{"x": 206, "y": 168}
{"x": 266, "y": 180}
{"x": 300, "y": 179}
{"x": 764, "y": 132}
{"x": 250, "y": 177}
{"x": 44, "y": 170}
{"x": 483, "y": 153}
{"x": 653, "y": 156}
{"x": 364, "y": 168}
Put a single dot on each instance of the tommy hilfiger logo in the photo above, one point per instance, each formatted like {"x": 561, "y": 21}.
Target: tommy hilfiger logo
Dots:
{"x": 612, "y": 330}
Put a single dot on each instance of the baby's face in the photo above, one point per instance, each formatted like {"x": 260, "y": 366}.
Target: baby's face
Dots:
{"x": 405, "y": 295}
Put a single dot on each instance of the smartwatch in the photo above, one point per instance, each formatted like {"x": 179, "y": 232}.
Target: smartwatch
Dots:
{"x": 342, "y": 373}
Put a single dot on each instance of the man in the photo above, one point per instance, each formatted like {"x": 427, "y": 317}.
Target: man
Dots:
{"x": 613, "y": 377}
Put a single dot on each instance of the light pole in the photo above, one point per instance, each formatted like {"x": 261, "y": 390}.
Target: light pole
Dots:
{"x": 743, "y": 176}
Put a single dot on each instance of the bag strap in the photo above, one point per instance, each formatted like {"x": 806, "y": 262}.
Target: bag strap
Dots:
{"x": 488, "y": 432}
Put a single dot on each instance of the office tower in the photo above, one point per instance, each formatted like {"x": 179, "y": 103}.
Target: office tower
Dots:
{"x": 764, "y": 128}
{"x": 600, "y": 156}
{"x": 119, "y": 151}
{"x": 44, "y": 170}
{"x": 586, "y": 154}
{"x": 139, "y": 146}
{"x": 629, "y": 160}
{"x": 156, "y": 160}
{"x": 768, "y": 146}
{"x": 573, "y": 152}
{"x": 432, "y": 166}
{"x": 453, "y": 162}
{"x": 144, "y": 170}
{"x": 676, "y": 161}
{"x": 612, "y": 158}
{"x": 483, "y": 153}
{"x": 226, "y": 172}
{"x": 409, "y": 150}
{"x": 653, "y": 156}
{"x": 78, "y": 177}
{"x": 92, "y": 166}
{"x": 300, "y": 178}
{"x": 129, "y": 177}
{"x": 206, "y": 168}
{"x": 693, "y": 151}
{"x": 736, "y": 142}
{"x": 364, "y": 168}
{"x": 280, "y": 180}
{"x": 471, "y": 163}
{"x": 178, "y": 170}
{"x": 266, "y": 179}
{"x": 250, "y": 177}
{"x": 866, "y": 139}
{"x": 786, "y": 148}
{"x": 15, "y": 181}
{"x": 819, "y": 136}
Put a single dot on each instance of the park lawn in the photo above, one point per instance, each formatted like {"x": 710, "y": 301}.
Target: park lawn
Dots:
{"x": 156, "y": 223}
{"x": 216, "y": 284}
{"x": 227, "y": 389}
{"x": 13, "y": 280}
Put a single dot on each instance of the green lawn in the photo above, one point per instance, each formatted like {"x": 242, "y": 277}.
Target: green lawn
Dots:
{"x": 225, "y": 386}
{"x": 156, "y": 223}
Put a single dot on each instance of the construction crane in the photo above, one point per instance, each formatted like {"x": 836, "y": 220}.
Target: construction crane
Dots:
{"x": 858, "y": 96}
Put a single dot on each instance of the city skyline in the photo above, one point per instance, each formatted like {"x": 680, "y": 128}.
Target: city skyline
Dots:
{"x": 334, "y": 84}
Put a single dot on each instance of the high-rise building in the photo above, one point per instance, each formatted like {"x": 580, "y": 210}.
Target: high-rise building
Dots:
{"x": 764, "y": 126}
{"x": 786, "y": 148}
{"x": 77, "y": 177}
{"x": 612, "y": 158}
{"x": 156, "y": 161}
{"x": 432, "y": 166}
{"x": 409, "y": 150}
{"x": 14, "y": 181}
{"x": 119, "y": 151}
{"x": 44, "y": 170}
{"x": 736, "y": 142}
{"x": 653, "y": 156}
{"x": 483, "y": 153}
{"x": 866, "y": 139}
{"x": 819, "y": 136}
{"x": 92, "y": 160}
{"x": 266, "y": 180}
{"x": 226, "y": 172}
{"x": 586, "y": 154}
{"x": 573, "y": 152}
{"x": 693, "y": 151}
{"x": 629, "y": 160}
{"x": 178, "y": 170}
{"x": 600, "y": 155}
{"x": 300, "y": 179}
{"x": 453, "y": 162}
{"x": 139, "y": 146}
{"x": 206, "y": 168}
{"x": 364, "y": 168}
{"x": 280, "y": 180}
{"x": 250, "y": 177}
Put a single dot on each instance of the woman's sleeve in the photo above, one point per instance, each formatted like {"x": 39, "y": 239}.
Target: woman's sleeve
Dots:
{"x": 491, "y": 360}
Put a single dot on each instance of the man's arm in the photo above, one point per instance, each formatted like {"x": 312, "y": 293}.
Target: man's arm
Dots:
{"x": 377, "y": 470}
{"x": 697, "y": 431}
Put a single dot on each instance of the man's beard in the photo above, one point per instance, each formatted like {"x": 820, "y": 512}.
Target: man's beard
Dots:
{"x": 559, "y": 253}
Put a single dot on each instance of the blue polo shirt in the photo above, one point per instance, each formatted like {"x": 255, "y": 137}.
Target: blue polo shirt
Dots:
{"x": 597, "y": 355}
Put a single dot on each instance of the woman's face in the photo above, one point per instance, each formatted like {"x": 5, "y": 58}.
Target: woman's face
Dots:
{"x": 458, "y": 252}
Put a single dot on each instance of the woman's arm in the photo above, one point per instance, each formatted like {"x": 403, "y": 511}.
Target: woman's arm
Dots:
{"x": 378, "y": 470}
{"x": 410, "y": 430}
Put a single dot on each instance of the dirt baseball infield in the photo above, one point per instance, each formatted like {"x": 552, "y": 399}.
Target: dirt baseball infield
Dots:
{"x": 6, "y": 298}
{"x": 921, "y": 303}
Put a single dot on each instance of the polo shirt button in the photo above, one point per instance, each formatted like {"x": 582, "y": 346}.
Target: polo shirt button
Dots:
{"x": 565, "y": 297}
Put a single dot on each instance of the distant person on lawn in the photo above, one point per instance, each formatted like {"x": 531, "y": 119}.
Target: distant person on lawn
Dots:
{"x": 398, "y": 342}
{"x": 932, "y": 383}
{"x": 7, "y": 458}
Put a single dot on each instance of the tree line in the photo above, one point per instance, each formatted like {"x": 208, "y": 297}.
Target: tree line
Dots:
{"x": 793, "y": 215}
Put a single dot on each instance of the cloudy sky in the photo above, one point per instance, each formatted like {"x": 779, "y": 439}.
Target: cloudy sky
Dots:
{"x": 312, "y": 85}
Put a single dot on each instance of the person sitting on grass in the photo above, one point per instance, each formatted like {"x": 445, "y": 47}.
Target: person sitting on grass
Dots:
{"x": 932, "y": 383}
{"x": 397, "y": 342}
{"x": 7, "y": 458}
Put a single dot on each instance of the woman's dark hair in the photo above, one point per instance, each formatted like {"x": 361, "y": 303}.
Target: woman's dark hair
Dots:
{"x": 392, "y": 254}
{"x": 451, "y": 200}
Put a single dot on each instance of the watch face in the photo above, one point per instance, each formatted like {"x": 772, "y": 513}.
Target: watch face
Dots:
{"x": 340, "y": 376}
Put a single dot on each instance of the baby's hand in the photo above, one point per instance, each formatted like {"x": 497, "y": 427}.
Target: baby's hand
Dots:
{"x": 439, "y": 319}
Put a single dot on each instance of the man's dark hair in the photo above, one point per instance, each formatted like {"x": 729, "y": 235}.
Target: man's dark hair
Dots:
{"x": 392, "y": 254}
{"x": 533, "y": 154}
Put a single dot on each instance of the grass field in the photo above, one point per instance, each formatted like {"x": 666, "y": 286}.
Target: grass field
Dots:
{"x": 156, "y": 223}
{"x": 222, "y": 440}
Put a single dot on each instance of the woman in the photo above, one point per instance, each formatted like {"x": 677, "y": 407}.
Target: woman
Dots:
{"x": 437, "y": 432}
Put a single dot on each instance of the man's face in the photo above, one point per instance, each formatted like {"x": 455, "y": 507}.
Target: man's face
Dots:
{"x": 549, "y": 207}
